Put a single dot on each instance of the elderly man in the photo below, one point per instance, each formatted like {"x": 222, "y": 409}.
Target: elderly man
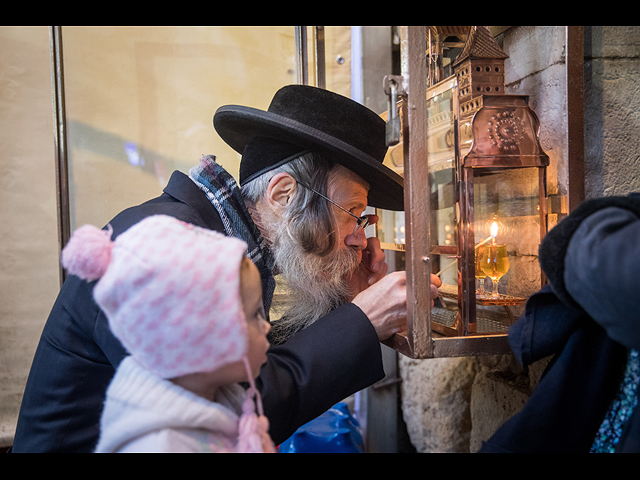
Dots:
{"x": 310, "y": 165}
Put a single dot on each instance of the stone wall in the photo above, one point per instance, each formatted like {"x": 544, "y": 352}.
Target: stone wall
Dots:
{"x": 453, "y": 404}
{"x": 612, "y": 110}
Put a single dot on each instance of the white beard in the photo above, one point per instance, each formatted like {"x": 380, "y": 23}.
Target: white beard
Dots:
{"x": 314, "y": 285}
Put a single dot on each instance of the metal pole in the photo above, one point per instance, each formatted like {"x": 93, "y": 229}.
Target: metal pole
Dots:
{"x": 321, "y": 81}
{"x": 60, "y": 140}
{"x": 302, "y": 67}
{"x": 417, "y": 208}
{"x": 575, "y": 114}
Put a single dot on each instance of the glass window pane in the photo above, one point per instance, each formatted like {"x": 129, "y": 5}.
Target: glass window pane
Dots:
{"x": 442, "y": 164}
{"x": 508, "y": 200}
{"x": 29, "y": 273}
{"x": 140, "y": 103}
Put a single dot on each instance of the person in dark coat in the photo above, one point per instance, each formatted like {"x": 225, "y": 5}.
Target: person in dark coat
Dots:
{"x": 310, "y": 165}
{"x": 588, "y": 318}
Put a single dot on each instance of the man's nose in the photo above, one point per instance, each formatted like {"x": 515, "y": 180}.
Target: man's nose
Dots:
{"x": 357, "y": 240}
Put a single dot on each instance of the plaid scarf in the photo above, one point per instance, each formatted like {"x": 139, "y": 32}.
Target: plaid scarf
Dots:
{"x": 222, "y": 191}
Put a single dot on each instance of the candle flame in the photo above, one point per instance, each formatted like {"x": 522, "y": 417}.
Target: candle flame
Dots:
{"x": 494, "y": 229}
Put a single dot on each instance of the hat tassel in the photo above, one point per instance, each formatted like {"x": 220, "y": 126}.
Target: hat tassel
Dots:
{"x": 253, "y": 430}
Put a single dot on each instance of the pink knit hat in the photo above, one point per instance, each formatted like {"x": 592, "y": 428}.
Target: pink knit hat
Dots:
{"x": 171, "y": 294}
{"x": 170, "y": 290}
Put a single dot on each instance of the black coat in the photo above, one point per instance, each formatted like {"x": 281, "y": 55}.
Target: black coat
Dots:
{"x": 77, "y": 355}
{"x": 587, "y": 317}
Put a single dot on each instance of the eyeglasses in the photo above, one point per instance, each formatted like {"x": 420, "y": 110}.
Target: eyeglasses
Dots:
{"x": 361, "y": 222}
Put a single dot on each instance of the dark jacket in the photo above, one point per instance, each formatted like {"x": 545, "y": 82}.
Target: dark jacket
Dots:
{"x": 587, "y": 317}
{"x": 77, "y": 355}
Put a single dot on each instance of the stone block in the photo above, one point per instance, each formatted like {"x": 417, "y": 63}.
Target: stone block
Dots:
{"x": 435, "y": 403}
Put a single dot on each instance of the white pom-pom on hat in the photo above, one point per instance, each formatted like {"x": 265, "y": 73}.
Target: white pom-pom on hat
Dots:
{"x": 88, "y": 252}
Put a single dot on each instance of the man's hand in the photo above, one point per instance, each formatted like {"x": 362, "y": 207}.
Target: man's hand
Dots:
{"x": 373, "y": 265}
{"x": 373, "y": 261}
{"x": 385, "y": 303}
{"x": 436, "y": 283}
{"x": 382, "y": 297}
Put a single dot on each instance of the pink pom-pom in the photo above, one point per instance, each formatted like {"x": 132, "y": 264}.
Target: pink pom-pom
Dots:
{"x": 88, "y": 252}
{"x": 253, "y": 430}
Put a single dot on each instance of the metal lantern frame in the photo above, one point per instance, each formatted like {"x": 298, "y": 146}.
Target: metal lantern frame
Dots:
{"x": 424, "y": 338}
{"x": 488, "y": 153}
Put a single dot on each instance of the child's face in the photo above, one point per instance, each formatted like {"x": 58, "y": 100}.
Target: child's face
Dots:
{"x": 257, "y": 326}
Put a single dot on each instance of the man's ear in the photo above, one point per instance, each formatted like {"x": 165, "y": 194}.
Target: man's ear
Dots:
{"x": 280, "y": 190}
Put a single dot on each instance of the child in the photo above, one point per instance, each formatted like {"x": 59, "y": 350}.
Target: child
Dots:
{"x": 187, "y": 305}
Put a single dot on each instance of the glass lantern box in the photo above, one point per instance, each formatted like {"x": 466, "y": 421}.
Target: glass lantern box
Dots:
{"x": 487, "y": 213}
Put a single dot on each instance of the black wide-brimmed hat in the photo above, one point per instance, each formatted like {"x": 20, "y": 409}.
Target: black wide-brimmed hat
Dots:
{"x": 303, "y": 118}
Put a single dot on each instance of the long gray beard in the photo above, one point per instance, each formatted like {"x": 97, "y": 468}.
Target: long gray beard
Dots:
{"x": 314, "y": 285}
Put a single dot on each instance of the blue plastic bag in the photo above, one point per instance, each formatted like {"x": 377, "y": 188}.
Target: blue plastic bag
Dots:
{"x": 335, "y": 431}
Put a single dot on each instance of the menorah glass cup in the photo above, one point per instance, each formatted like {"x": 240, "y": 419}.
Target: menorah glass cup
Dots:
{"x": 480, "y": 275}
{"x": 494, "y": 262}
